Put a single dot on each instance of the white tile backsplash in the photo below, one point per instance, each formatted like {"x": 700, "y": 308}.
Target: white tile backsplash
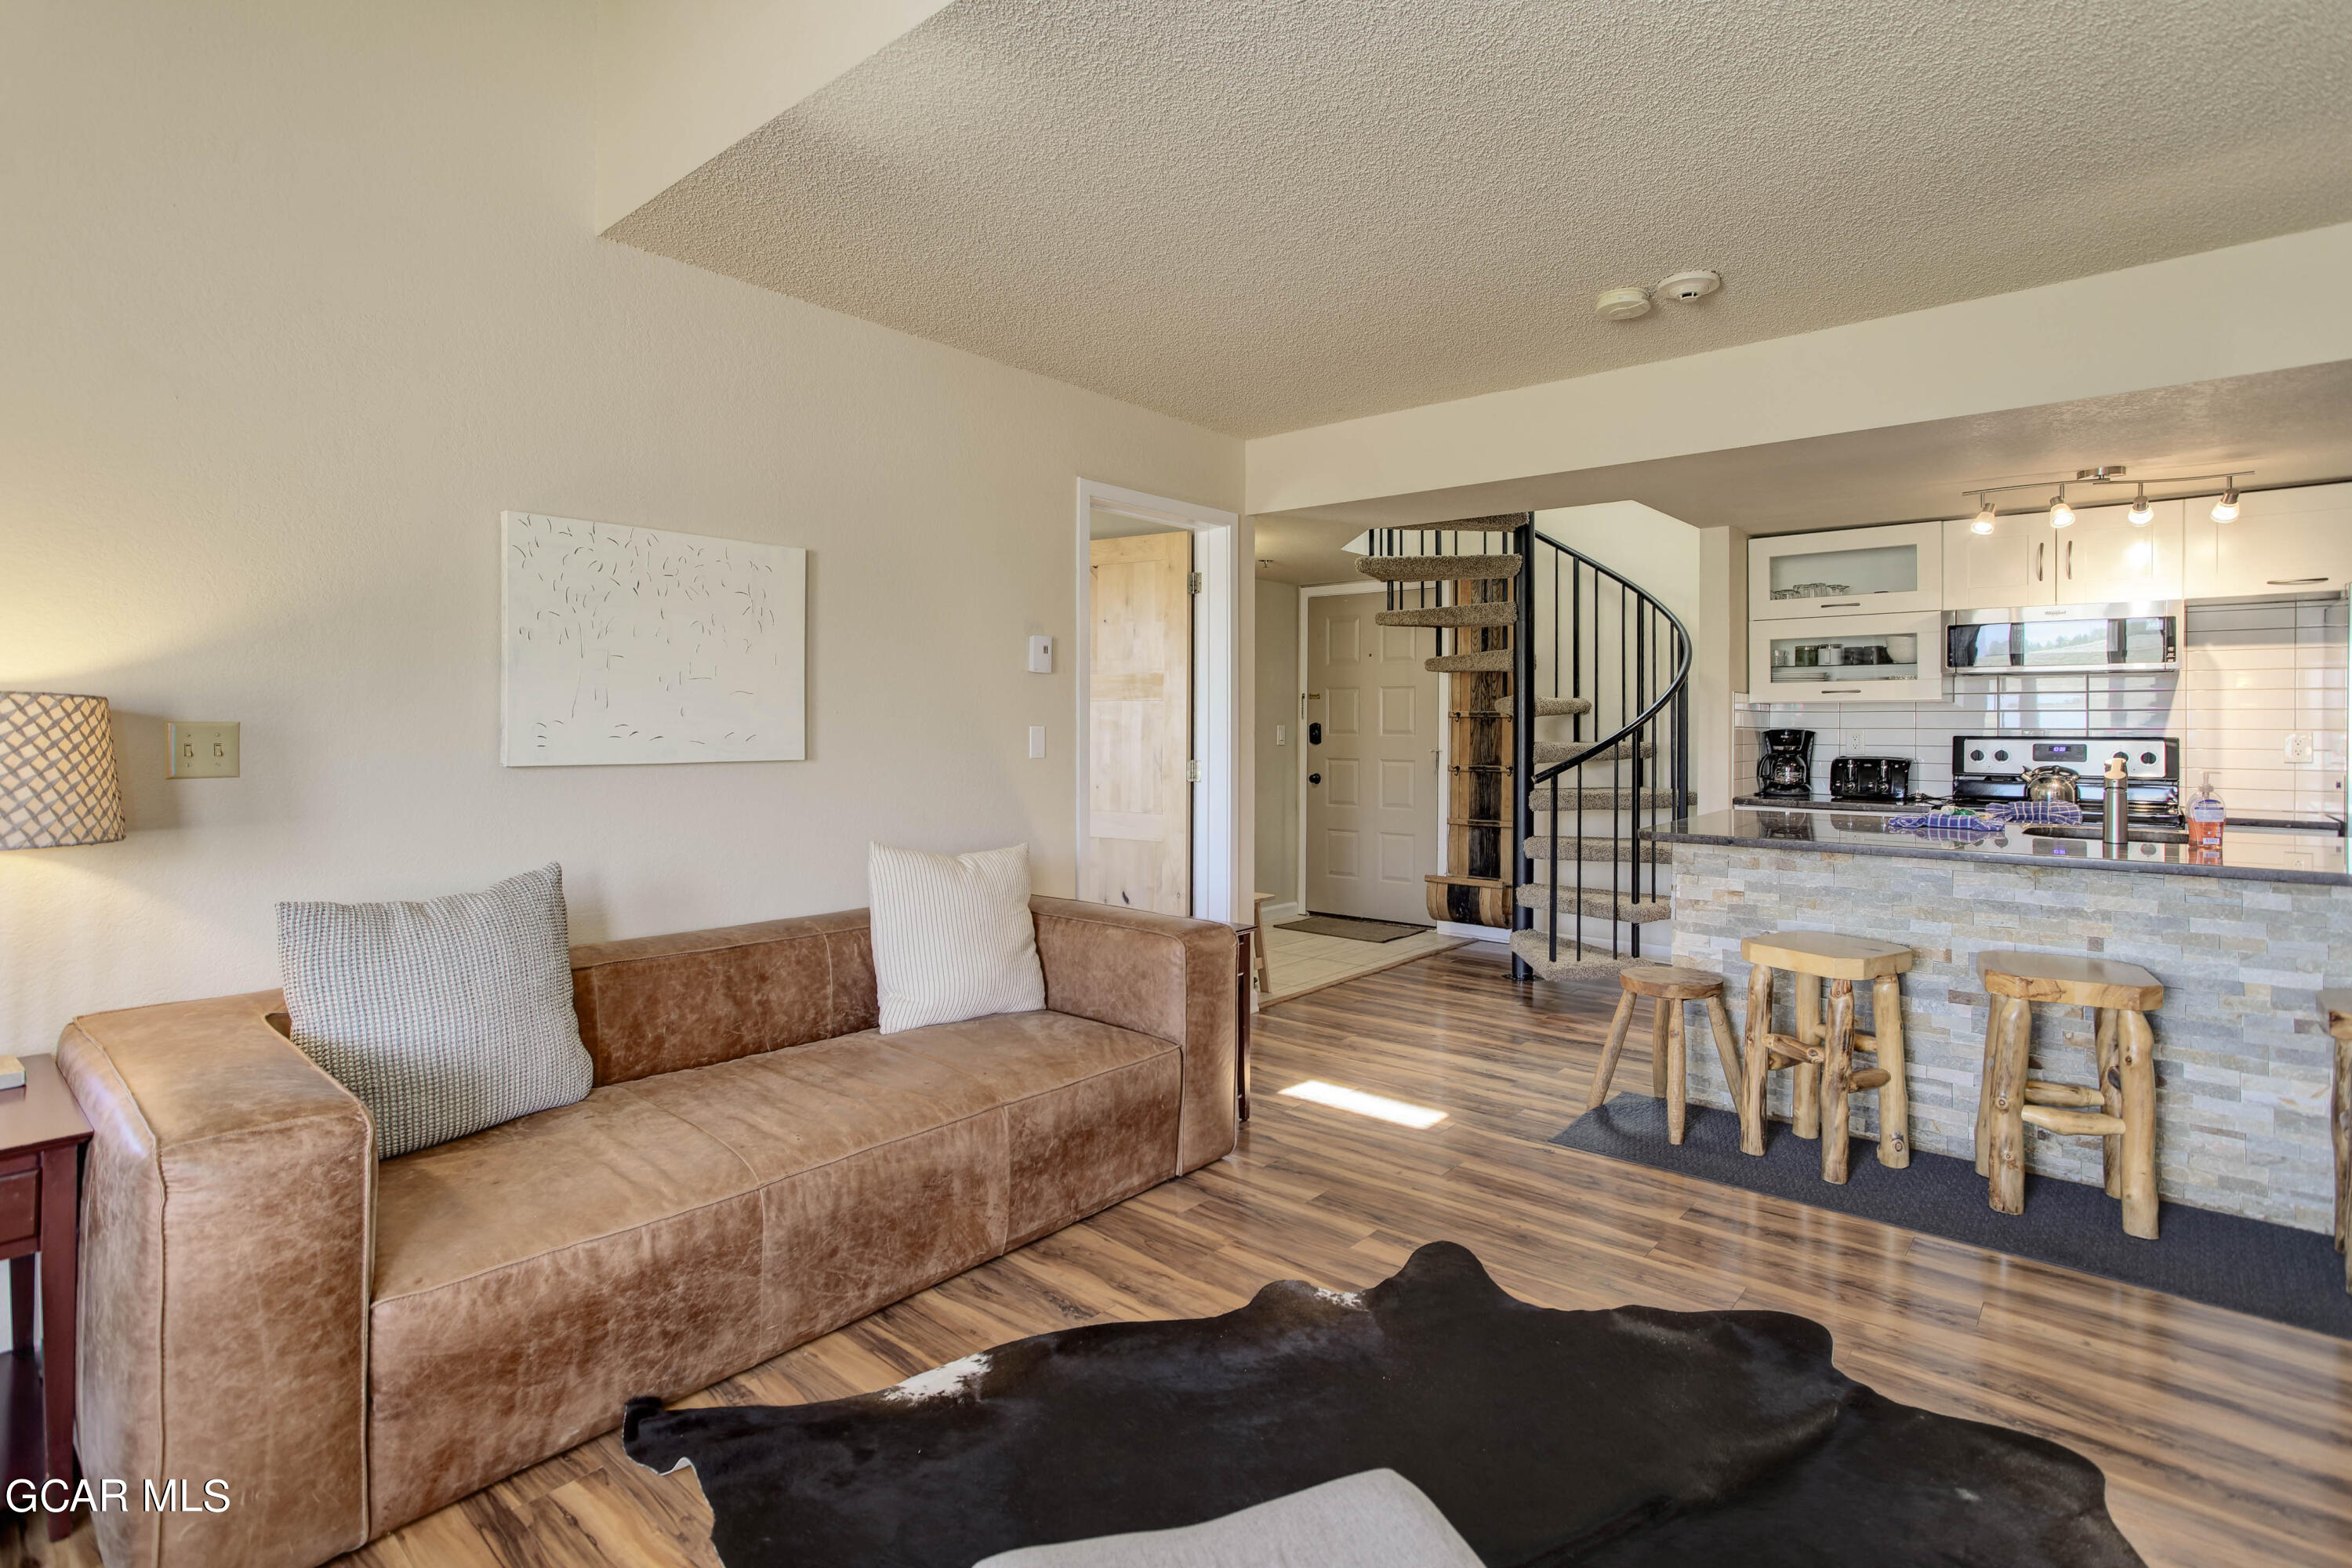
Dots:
{"x": 2251, "y": 673}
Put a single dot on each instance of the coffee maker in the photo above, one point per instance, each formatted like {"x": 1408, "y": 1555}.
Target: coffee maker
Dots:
{"x": 1786, "y": 769}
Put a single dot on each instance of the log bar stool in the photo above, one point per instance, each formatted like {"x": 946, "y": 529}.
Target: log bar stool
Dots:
{"x": 1822, "y": 1053}
{"x": 2120, "y": 1108}
{"x": 2338, "y": 1006}
{"x": 1668, "y": 988}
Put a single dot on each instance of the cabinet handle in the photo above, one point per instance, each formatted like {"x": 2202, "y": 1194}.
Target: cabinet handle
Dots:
{"x": 2293, "y": 581}
{"x": 2039, "y": 548}
{"x": 1843, "y": 604}
{"x": 1841, "y": 690}
{"x": 2070, "y": 560}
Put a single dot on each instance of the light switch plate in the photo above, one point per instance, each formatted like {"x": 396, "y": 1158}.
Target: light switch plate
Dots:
{"x": 202, "y": 750}
{"x": 1282, "y": 735}
{"x": 1036, "y": 740}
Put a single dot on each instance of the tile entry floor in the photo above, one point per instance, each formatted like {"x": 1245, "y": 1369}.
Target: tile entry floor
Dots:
{"x": 1298, "y": 963}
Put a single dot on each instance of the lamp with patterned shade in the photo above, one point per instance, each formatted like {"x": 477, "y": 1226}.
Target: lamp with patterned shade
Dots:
{"x": 57, "y": 782}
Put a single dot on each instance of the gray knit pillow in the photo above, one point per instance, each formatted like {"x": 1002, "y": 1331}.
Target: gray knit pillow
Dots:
{"x": 443, "y": 1017}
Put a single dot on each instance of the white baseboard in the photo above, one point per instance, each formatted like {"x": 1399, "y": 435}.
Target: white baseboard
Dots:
{"x": 1288, "y": 910}
{"x": 1475, "y": 933}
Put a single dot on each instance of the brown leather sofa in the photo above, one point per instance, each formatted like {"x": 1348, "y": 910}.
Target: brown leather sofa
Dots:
{"x": 350, "y": 1345}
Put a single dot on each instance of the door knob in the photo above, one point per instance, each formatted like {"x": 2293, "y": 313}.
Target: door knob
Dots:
{"x": 1315, "y": 778}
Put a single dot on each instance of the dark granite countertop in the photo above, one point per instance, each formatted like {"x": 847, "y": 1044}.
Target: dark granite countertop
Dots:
{"x": 2324, "y": 825}
{"x": 2246, "y": 853}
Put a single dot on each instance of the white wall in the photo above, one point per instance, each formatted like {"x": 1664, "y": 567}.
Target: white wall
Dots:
{"x": 293, "y": 300}
{"x": 2196, "y": 318}
{"x": 677, "y": 84}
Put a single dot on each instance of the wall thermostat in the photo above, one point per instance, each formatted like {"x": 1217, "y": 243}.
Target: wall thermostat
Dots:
{"x": 1041, "y": 655}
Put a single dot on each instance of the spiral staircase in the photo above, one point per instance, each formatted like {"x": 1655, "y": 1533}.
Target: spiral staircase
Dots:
{"x": 1569, "y": 724}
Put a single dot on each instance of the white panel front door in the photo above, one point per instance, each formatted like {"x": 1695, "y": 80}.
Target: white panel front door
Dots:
{"x": 1371, "y": 820}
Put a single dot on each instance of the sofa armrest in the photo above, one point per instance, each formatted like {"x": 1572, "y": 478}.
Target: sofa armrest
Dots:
{"x": 1157, "y": 974}
{"x": 227, "y": 1205}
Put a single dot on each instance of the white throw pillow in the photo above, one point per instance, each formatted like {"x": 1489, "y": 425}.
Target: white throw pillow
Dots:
{"x": 952, "y": 935}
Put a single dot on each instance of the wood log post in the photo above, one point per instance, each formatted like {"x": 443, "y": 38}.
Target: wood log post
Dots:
{"x": 1658, "y": 1005}
{"x": 1984, "y": 1084}
{"x": 1805, "y": 1113}
{"x": 1837, "y": 1075}
{"x": 1677, "y": 1080}
{"x": 1727, "y": 1049}
{"x": 1620, "y": 1023}
{"x": 2341, "y": 1108}
{"x": 1755, "y": 1058}
{"x": 2010, "y": 1052}
{"x": 1895, "y": 1098}
{"x": 2136, "y": 1055}
{"x": 2111, "y": 1096}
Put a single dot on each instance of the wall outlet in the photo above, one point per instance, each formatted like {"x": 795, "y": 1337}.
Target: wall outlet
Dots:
{"x": 201, "y": 750}
{"x": 1036, "y": 740}
{"x": 2299, "y": 750}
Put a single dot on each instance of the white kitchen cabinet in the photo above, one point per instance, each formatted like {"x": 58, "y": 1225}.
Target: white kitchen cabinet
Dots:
{"x": 1857, "y": 570}
{"x": 1847, "y": 658}
{"x": 2285, "y": 541}
{"x": 2102, "y": 559}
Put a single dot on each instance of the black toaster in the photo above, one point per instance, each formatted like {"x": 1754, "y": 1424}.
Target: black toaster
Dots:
{"x": 1871, "y": 778}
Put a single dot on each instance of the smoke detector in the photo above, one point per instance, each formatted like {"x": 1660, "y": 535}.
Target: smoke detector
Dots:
{"x": 1622, "y": 304}
{"x": 1689, "y": 286}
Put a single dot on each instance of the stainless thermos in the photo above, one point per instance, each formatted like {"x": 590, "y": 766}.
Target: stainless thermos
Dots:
{"x": 2114, "y": 806}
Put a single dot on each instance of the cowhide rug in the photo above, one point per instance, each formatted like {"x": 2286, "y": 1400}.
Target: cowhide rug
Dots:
{"x": 1624, "y": 1437}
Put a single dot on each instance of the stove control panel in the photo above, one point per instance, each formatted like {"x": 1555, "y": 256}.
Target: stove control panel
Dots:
{"x": 2149, "y": 759}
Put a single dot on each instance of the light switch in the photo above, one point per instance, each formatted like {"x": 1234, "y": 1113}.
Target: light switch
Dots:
{"x": 202, "y": 750}
{"x": 1040, "y": 661}
{"x": 1282, "y": 735}
{"x": 1036, "y": 740}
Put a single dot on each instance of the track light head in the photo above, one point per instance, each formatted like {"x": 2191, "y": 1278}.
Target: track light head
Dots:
{"x": 2226, "y": 509}
{"x": 2061, "y": 514}
{"x": 2141, "y": 513}
{"x": 1984, "y": 517}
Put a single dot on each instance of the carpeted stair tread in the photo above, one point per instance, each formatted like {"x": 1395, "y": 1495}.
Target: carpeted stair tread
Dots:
{"x": 1550, "y": 752}
{"x": 1599, "y": 847}
{"x": 1602, "y": 902}
{"x": 1438, "y": 568}
{"x": 1497, "y": 658}
{"x": 1498, "y": 613}
{"x": 1548, "y": 706}
{"x": 1536, "y": 948}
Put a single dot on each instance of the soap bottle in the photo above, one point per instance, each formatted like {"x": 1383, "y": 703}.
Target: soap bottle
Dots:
{"x": 2205, "y": 818}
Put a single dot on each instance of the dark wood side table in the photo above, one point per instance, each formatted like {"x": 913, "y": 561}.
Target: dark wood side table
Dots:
{"x": 42, "y": 1131}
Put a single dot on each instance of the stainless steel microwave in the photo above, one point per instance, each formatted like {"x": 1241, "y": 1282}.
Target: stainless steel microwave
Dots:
{"x": 2063, "y": 637}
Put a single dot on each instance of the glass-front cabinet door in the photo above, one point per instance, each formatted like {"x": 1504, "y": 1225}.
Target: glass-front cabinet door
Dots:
{"x": 1858, "y": 570}
{"x": 1847, "y": 658}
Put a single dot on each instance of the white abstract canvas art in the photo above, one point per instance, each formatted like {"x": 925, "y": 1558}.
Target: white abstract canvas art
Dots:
{"x": 637, "y": 645}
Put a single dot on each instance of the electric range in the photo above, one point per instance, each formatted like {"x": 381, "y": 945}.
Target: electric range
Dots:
{"x": 1990, "y": 768}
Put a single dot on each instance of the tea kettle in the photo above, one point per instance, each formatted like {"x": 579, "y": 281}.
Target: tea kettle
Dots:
{"x": 2052, "y": 782}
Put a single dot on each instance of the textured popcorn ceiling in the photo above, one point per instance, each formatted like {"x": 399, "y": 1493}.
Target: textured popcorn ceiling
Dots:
{"x": 1262, "y": 215}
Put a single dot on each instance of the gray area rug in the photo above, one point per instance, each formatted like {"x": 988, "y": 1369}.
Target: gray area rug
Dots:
{"x": 1353, "y": 928}
{"x": 2293, "y": 1277}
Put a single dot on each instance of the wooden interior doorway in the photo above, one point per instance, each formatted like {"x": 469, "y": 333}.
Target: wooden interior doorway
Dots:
{"x": 1139, "y": 642}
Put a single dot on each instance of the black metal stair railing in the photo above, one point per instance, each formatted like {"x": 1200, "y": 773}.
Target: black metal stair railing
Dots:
{"x": 1629, "y": 657}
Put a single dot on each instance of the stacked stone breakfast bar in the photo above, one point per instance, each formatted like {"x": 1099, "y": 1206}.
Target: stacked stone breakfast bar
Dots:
{"x": 2243, "y": 944}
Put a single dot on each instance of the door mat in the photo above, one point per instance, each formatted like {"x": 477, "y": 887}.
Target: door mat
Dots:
{"x": 1546, "y": 1438}
{"x": 1353, "y": 928}
{"x": 2292, "y": 1276}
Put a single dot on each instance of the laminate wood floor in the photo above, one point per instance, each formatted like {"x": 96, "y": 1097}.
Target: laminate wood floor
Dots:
{"x": 2226, "y": 1439}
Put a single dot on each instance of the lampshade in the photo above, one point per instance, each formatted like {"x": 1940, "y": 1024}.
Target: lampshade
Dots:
{"x": 57, "y": 783}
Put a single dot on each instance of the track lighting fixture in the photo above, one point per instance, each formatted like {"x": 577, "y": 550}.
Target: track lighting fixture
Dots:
{"x": 2141, "y": 513}
{"x": 2226, "y": 509}
{"x": 1983, "y": 523}
{"x": 2061, "y": 514}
